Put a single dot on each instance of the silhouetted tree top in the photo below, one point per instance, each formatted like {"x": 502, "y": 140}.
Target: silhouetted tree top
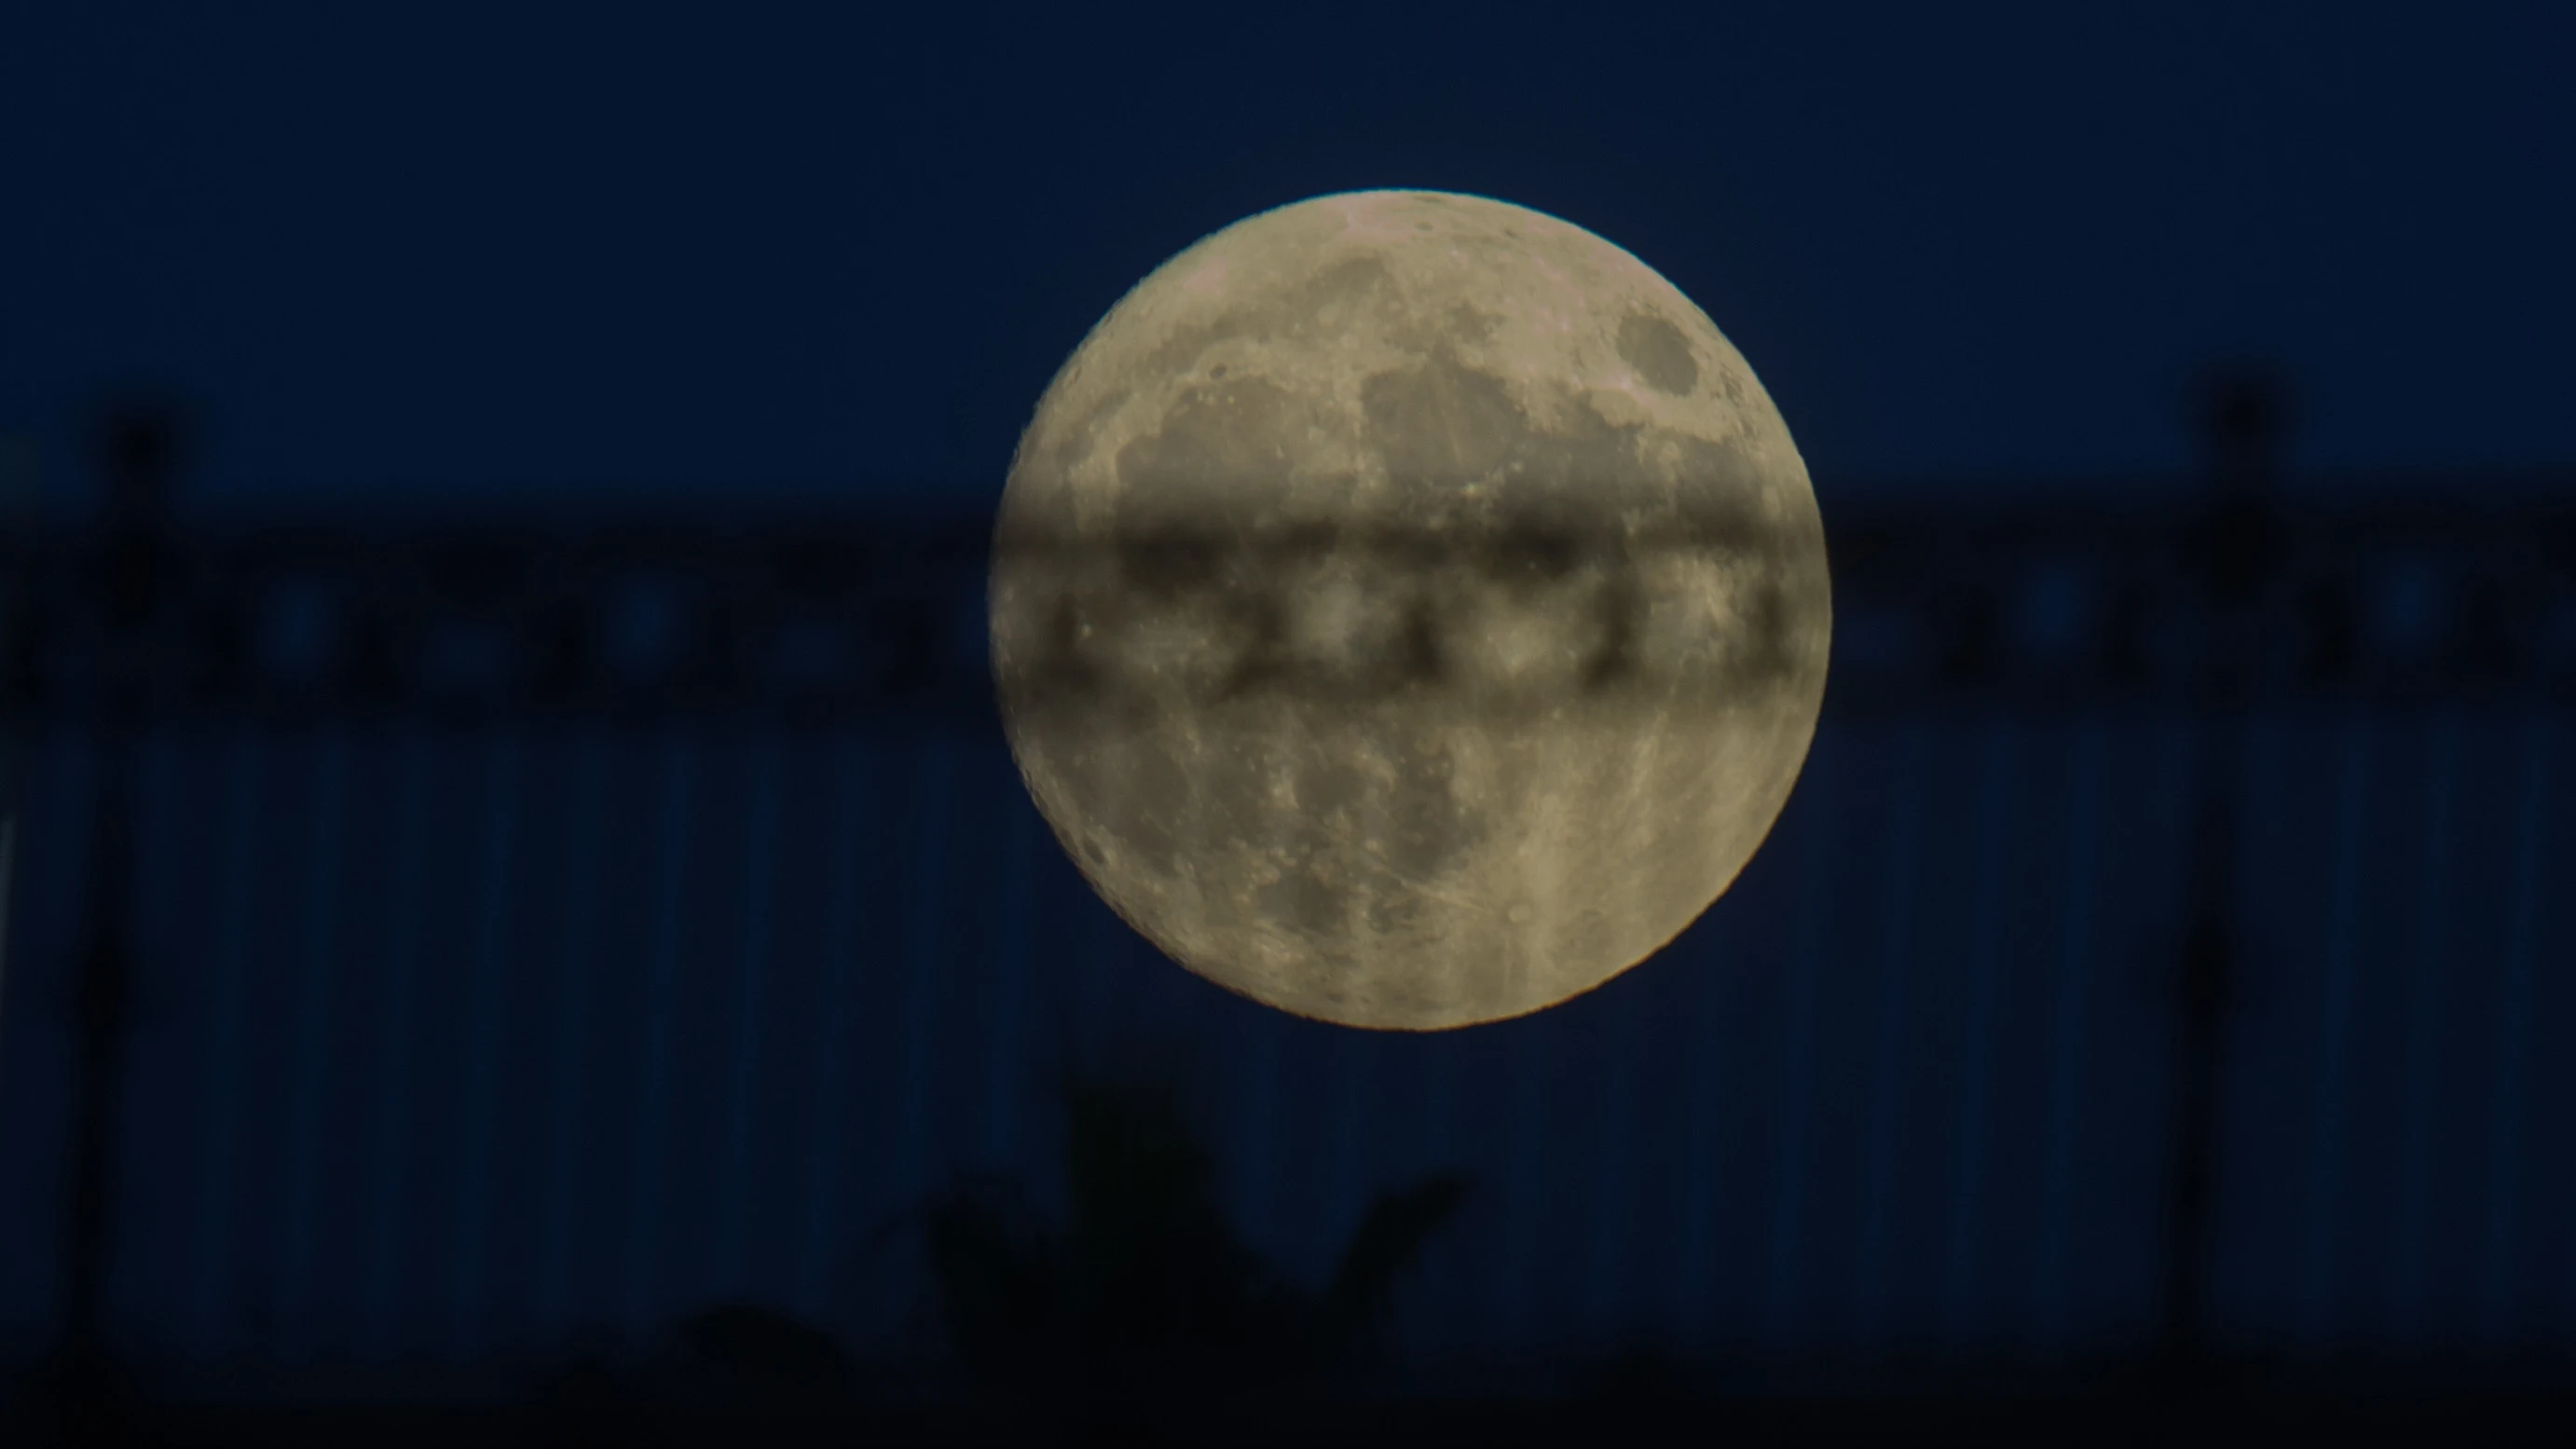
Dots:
{"x": 1148, "y": 1275}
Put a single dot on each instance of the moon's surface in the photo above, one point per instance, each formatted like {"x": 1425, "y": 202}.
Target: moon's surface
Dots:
{"x": 1393, "y": 790}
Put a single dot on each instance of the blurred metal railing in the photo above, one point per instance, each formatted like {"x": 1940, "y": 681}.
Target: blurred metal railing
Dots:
{"x": 2220, "y": 604}
{"x": 2391, "y": 603}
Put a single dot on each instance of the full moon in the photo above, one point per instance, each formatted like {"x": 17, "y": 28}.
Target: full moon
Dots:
{"x": 1408, "y": 610}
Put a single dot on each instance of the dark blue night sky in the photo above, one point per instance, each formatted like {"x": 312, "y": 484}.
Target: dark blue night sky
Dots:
{"x": 565, "y": 251}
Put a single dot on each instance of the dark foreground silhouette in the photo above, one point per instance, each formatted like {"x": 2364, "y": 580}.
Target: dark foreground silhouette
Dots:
{"x": 1143, "y": 1318}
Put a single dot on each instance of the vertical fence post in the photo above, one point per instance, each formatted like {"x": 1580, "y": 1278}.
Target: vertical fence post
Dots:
{"x": 137, "y": 448}
{"x": 17, "y": 520}
{"x": 2233, "y": 552}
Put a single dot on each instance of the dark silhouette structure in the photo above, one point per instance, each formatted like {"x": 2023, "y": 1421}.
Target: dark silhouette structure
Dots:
{"x": 137, "y": 453}
{"x": 2236, "y": 553}
{"x": 2247, "y": 600}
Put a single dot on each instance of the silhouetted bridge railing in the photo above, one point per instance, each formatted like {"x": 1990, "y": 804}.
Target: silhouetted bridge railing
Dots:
{"x": 2055, "y": 610}
{"x": 1951, "y": 902}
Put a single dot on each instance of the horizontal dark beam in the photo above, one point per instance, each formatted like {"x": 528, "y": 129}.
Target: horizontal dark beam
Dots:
{"x": 2389, "y": 603}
